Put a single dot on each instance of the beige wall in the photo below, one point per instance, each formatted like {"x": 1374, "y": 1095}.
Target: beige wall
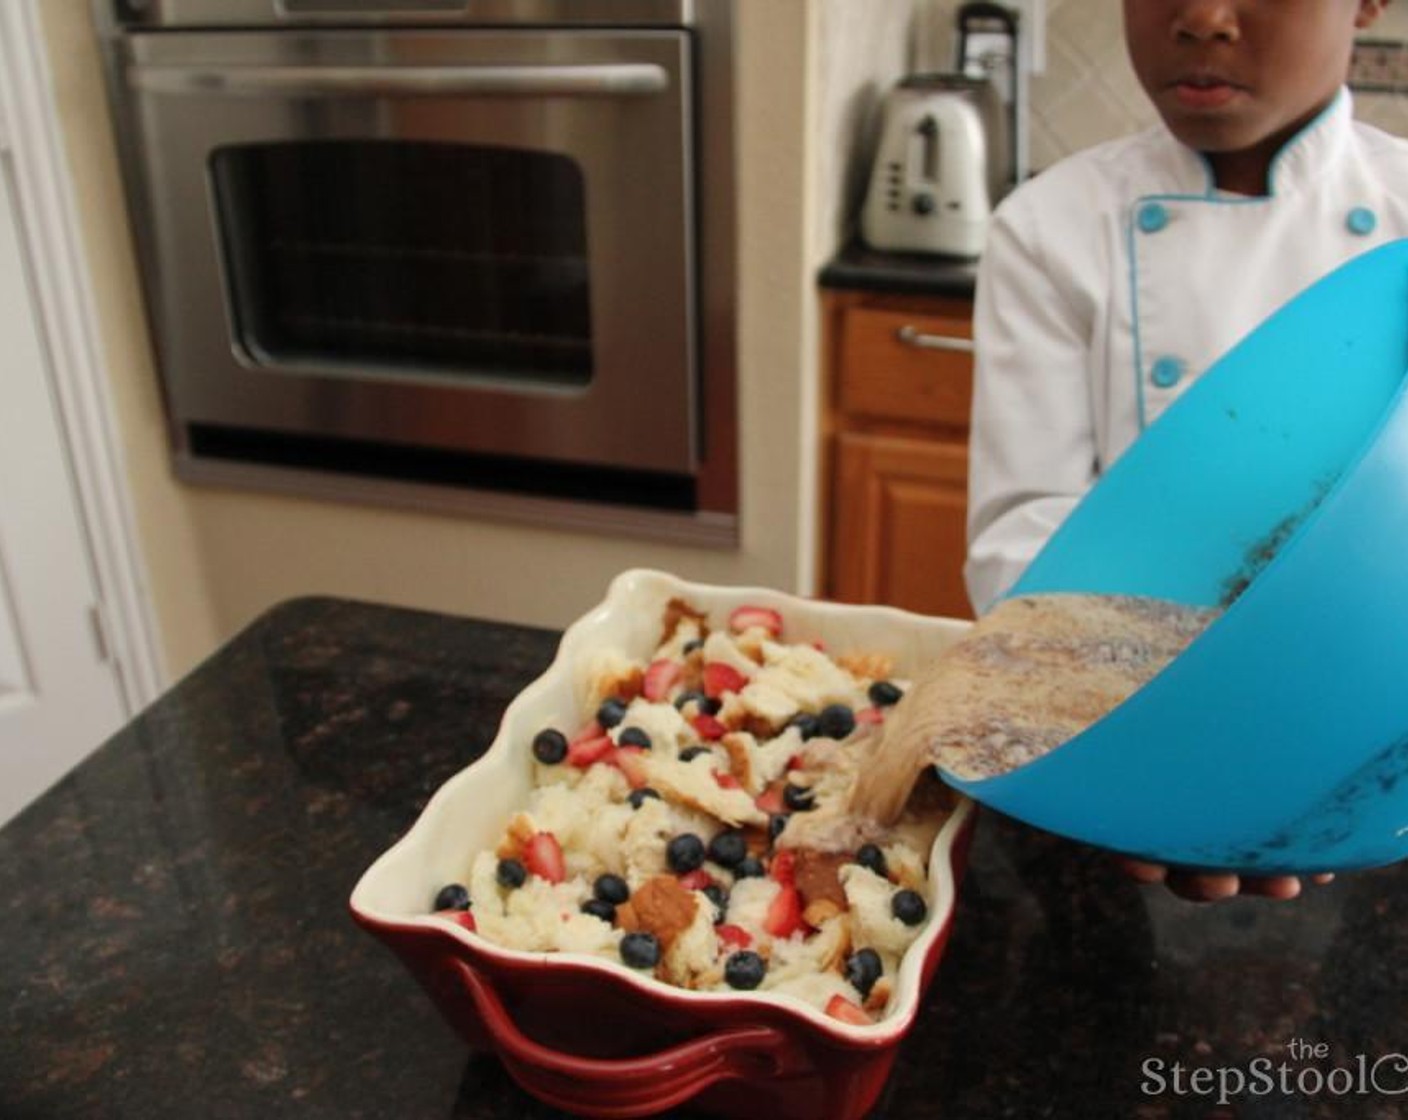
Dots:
{"x": 863, "y": 48}
{"x": 859, "y": 50}
{"x": 218, "y": 558}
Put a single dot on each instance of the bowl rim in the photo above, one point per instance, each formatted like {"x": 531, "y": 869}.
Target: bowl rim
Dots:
{"x": 907, "y": 994}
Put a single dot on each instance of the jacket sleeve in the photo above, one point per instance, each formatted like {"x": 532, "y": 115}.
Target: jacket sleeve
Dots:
{"x": 1032, "y": 451}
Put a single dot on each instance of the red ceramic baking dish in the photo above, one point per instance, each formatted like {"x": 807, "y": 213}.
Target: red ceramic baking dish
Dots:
{"x": 587, "y": 1034}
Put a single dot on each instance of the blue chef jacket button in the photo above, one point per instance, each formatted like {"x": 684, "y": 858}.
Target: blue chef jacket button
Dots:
{"x": 1361, "y": 220}
{"x": 1167, "y": 372}
{"x": 1153, "y": 217}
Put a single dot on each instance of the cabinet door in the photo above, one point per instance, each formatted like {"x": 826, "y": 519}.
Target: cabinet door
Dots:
{"x": 898, "y": 534}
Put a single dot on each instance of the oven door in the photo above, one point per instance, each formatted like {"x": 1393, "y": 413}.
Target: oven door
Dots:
{"x": 458, "y": 240}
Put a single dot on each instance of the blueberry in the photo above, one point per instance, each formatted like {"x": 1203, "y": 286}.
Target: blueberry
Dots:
{"x": 550, "y": 746}
{"x": 728, "y": 848}
{"x": 452, "y": 897}
{"x": 884, "y": 693}
{"x": 611, "y": 712}
{"x": 692, "y": 645}
{"x": 836, "y": 721}
{"x": 689, "y": 695}
{"x": 611, "y": 888}
{"x": 908, "y": 907}
{"x": 776, "y": 823}
{"x": 745, "y": 970}
{"x": 640, "y": 950}
{"x": 637, "y": 796}
{"x": 870, "y": 856}
{"x": 694, "y": 752}
{"x": 685, "y": 853}
{"x": 749, "y": 867}
{"x": 806, "y": 723}
{"x": 706, "y": 705}
{"x": 863, "y": 968}
{"x": 719, "y": 897}
{"x": 511, "y": 873}
{"x": 633, "y": 737}
{"x": 799, "y": 799}
{"x": 598, "y": 908}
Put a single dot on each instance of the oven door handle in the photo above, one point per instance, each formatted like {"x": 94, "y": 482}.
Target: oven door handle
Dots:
{"x": 624, "y": 79}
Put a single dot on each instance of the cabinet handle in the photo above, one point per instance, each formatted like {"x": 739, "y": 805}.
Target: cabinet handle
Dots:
{"x": 913, "y": 336}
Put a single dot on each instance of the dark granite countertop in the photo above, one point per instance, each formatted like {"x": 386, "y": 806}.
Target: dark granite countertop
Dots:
{"x": 177, "y": 940}
{"x": 857, "y": 267}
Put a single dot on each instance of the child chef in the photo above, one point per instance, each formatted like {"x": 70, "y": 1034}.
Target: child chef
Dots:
{"x": 1113, "y": 280}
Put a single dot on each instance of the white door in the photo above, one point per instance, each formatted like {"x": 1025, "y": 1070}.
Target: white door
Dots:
{"x": 59, "y": 694}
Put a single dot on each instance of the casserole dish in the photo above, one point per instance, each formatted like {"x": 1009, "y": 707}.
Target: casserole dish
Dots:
{"x": 590, "y": 1035}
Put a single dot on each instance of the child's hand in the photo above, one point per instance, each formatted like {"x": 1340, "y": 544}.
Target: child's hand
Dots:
{"x": 1212, "y": 888}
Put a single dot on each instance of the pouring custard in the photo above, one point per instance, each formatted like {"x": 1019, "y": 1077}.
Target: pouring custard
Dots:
{"x": 1030, "y": 675}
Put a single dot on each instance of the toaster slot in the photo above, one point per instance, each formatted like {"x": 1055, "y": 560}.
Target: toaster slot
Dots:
{"x": 929, "y": 148}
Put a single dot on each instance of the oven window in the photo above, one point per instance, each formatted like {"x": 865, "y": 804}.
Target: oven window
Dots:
{"x": 406, "y": 259}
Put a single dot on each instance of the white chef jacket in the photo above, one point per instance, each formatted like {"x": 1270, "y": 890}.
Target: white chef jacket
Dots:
{"x": 1114, "y": 279}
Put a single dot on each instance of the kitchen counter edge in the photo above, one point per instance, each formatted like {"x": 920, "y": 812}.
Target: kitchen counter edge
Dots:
{"x": 857, "y": 267}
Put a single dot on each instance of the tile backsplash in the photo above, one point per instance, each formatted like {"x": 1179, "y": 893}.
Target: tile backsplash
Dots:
{"x": 1088, "y": 92}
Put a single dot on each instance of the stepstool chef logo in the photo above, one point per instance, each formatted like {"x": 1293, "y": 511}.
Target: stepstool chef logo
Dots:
{"x": 1305, "y": 1069}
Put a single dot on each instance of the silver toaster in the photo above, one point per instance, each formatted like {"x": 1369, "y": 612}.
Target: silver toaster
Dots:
{"x": 942, "y": 163}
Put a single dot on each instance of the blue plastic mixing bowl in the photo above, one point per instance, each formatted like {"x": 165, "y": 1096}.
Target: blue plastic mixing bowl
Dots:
{"x": 1278, "y": 741}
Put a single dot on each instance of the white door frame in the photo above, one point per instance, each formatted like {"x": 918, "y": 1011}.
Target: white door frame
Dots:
{"x": 30, "y": 135}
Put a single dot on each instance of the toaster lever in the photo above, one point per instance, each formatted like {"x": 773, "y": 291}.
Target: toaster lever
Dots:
{"x": 928, "y": 130}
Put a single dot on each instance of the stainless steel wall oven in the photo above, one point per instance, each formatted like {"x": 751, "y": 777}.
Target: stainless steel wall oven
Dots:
{"x": 467, "y": 252}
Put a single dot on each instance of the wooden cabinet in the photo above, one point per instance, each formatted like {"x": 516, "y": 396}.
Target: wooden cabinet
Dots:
{"x": 899, "y": 374}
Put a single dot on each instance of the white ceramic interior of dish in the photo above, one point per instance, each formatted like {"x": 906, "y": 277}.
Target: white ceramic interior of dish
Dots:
{"x": 468, "y": 813}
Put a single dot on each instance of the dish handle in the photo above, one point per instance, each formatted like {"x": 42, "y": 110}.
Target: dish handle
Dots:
{"x": 628, "y": 1087}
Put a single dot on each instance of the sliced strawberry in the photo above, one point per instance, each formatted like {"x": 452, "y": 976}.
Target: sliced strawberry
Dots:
{"x": 784, "y": 866}
{"x": 745, "y": 618}
{"x": 462, "y": 917}
{"x": 839, "y": 1007}
{"x": 726, "y": 781}
{"x": 731, "y": 934}
{"x": 583, "y": 752}
{"x": 660, "y": 677}
{"x": 720, "y": 677}
{"x": 631, "y": 762}
{"x": 770, "y": 800}
{"x": 696, "y": 880}
{"x": 542, "y": 856}
{"x": 784, "y": 916}
{"x": 709, "y": 728}
{"x": 870, "y": 715}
